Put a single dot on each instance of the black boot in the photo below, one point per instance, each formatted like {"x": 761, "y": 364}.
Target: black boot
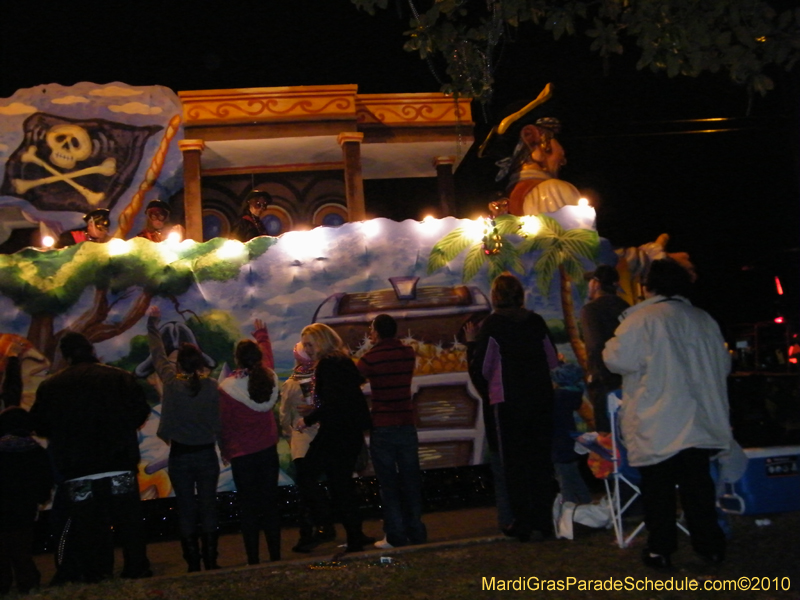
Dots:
{"x": 191, "y": 552}
{"x": 274, "y": 544}
{"x": 308, "y": 540}
{"x": 251, "y": 546}
{"x": 326, "y": 533}
{"x": 209, "y": 550}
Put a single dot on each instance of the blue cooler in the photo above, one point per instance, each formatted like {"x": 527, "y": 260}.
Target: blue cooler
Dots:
{"x": 770, "y": 484}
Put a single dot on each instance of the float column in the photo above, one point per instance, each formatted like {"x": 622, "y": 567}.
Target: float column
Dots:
{"x": 353, "y": 179}
{"x": 192, "y": 204}
{"x": 446, "y": 184}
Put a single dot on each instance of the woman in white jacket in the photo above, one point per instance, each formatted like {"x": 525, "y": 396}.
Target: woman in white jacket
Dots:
{"x": 674, "y": 414}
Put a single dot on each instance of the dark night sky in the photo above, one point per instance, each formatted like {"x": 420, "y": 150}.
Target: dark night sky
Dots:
{"x": 732, "y": 199}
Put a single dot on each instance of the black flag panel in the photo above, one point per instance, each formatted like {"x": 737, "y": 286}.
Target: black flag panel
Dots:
{"x": 74, "y": 165}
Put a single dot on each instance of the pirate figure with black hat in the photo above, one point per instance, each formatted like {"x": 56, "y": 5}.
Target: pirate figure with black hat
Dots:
{"x": 157, "y": 229}
{"x": 254, "y": 208}
{"x": 532, "y": 169}
{"x": 96, "y": 230}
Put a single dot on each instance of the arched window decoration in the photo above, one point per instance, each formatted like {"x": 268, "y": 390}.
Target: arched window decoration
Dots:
{"x": 330, "y": 214}
{"x": 277, "y": 221}
{"x": 215, "y": 224}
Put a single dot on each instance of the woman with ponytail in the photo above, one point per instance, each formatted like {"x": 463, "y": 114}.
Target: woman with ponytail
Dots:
{"x": 250, "y": 442}
{"x": 190, "y": 425}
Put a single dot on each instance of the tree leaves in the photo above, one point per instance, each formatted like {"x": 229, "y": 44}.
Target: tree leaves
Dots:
{"x": 446, "y": 249}
{"x": 744, "y": 38}
{"x": 473, "y": 262}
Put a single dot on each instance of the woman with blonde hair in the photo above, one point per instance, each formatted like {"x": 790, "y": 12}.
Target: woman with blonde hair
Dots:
{"x": 343, "y": 416}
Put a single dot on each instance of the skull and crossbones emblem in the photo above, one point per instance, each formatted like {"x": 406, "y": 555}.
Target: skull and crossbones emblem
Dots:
{"x": 69, "y": 145}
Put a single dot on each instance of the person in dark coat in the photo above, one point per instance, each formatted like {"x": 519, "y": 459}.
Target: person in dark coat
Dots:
{"x": 91, "y": 413}
{"x": 254, "y": 208}
{"x": 509, "y": 363}
{"x": 26, "y": 481}
{"x": 599, "y": 319}
{"x": 343, "y": 416}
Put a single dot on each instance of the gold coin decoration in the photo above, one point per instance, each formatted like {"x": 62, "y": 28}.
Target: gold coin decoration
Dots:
{"x": 432, "y": 359}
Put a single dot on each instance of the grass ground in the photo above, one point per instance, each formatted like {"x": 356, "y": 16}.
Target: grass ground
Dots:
{"x": 758, "y": 556}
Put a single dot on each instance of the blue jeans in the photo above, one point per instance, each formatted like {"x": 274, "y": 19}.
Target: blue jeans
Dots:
{"x": 570, "y": 480}
{"x": 187, "y": 472}
{"x": 395, "y": 457}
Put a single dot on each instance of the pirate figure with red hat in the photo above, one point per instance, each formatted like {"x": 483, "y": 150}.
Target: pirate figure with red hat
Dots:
{"x": 96, "y": 230}
{"x": 532, "y": 169}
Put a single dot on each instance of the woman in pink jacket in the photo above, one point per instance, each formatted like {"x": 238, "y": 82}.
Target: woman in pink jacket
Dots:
{"x": 249, "y": 442}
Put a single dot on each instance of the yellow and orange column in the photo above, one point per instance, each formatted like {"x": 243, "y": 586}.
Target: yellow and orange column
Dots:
{"x": 353, "y": 178}
{"x": 192, "y": 199}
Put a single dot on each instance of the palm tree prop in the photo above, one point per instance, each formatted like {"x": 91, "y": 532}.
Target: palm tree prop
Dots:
{"x": 561, "y": 250}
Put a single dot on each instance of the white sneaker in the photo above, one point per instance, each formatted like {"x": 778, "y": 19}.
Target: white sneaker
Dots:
{"x": 383, "y": 544}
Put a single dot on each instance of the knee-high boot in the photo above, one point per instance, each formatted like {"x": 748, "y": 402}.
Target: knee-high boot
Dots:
{"x": 191, "y": 552}
{"x": 209, "y": 542}
{"x": 251, "y": 546}
{"x": 273, "y": 544}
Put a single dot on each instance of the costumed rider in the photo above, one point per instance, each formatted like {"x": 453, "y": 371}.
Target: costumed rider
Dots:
{"x": 96, "y": 230}
{"x": 254, "y": 208}
{"x": 157, "y": 228}
{"x": 532, "y": 168}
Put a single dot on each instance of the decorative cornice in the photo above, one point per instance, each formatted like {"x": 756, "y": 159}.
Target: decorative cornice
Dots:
{"x": 254, "y": 105}
{"x": 412, "y": 109}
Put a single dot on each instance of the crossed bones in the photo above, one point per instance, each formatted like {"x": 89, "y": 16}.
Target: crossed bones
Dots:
{"x": 108, "y": 167}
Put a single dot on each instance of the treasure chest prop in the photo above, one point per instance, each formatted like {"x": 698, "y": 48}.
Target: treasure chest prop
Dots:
{"x": 771, "y": 483}
{"x": 430, "y": 320}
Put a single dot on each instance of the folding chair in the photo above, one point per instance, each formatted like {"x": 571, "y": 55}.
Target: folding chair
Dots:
{"x": 621, "y": 478}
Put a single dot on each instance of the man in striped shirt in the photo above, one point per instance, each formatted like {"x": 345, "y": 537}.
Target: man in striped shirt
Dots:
{"x": 389, "y": 367}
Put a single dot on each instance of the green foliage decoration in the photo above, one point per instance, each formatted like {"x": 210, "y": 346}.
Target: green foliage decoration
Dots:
{"x": 558, "y": 247}
{"x": 51, "y": 282}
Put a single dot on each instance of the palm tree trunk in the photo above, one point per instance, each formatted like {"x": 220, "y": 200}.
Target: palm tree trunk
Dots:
{"x": 570, "y": 325}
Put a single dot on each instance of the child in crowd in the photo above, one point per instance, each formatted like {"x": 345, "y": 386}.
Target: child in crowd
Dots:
{"x": 568, "y": 379}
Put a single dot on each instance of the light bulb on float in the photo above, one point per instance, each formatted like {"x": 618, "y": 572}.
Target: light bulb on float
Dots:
{"x": 231, "y": 249}
{"x": 48, "y": 241}
{"x": 530, "y": 225}
{"x": 430, "y": 224}
{"x": 370, "y": 228}
{"x": 475, "y": 229}
{"x": 305, "y": 245}
{"x": 174, "y": 237}
{"x": 117, "y": 247}
{"x": 577, "y": 216}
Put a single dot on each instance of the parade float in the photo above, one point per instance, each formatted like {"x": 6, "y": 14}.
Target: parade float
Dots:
{"x": 69, "y": 150}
